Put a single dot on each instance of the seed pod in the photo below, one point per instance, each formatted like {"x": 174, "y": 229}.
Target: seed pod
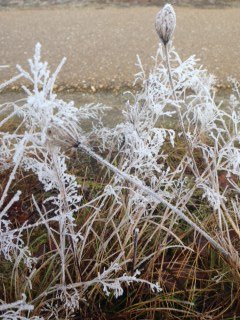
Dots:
{"x": 165, "y": 23}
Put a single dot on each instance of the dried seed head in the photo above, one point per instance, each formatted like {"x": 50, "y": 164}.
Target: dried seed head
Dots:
{"x": 165, "y": 23}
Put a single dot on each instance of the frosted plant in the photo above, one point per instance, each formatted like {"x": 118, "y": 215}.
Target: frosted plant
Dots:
{"x": 140, "y": 141}
{"x": 187, "y": 90}
{"x": 11, "y": 243}
{"x": 109, "y": 281}
{"x": 215, "y": 199}
{"x": 15, "y": 310}
{"x": 38, "y": 144}
{"x": 176, "y": 102}
{"x": 69, "y": 298}
{"x": 50, "y": 125}
{"x": 115, "y": 283}
{"x": 52, "y": 173}
{"x": 141, "y": 138}
{"x": 42, "y": 113}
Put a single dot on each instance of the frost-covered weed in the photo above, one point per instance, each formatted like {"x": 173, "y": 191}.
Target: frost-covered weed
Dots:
{"x": 46, "y": 128}
{"x": 15, "y": 310}
{"x": 92, "y": 243}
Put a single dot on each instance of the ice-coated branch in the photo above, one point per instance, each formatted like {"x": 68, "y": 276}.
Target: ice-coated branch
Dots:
{"x": 15, "y": 310}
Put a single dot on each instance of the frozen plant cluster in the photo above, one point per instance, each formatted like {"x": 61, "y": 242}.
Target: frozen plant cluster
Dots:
{"x": 45, "y": 129}
{"x": 102, "y": 240}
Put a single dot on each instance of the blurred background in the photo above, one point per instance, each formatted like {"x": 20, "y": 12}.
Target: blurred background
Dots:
{"x": 142, "y": 2}
{"x": 101, "y": 39}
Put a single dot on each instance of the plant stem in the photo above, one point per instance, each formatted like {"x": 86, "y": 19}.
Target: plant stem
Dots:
{"x": 179, "y": 115}
{"x": 135, "y": 244}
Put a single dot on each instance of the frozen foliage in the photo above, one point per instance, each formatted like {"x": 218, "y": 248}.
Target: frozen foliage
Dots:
{"x": 11, "y": 243}
{"x": 115, "y": 283}
{"x": 184, "y": 90}
{"x": 15, "y": 310}
{"x": 102, "y": 239}
{"x": 46, "y": 128}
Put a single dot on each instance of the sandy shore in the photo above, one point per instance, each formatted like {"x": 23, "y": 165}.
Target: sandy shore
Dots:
{"x": 101, "y": 43}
